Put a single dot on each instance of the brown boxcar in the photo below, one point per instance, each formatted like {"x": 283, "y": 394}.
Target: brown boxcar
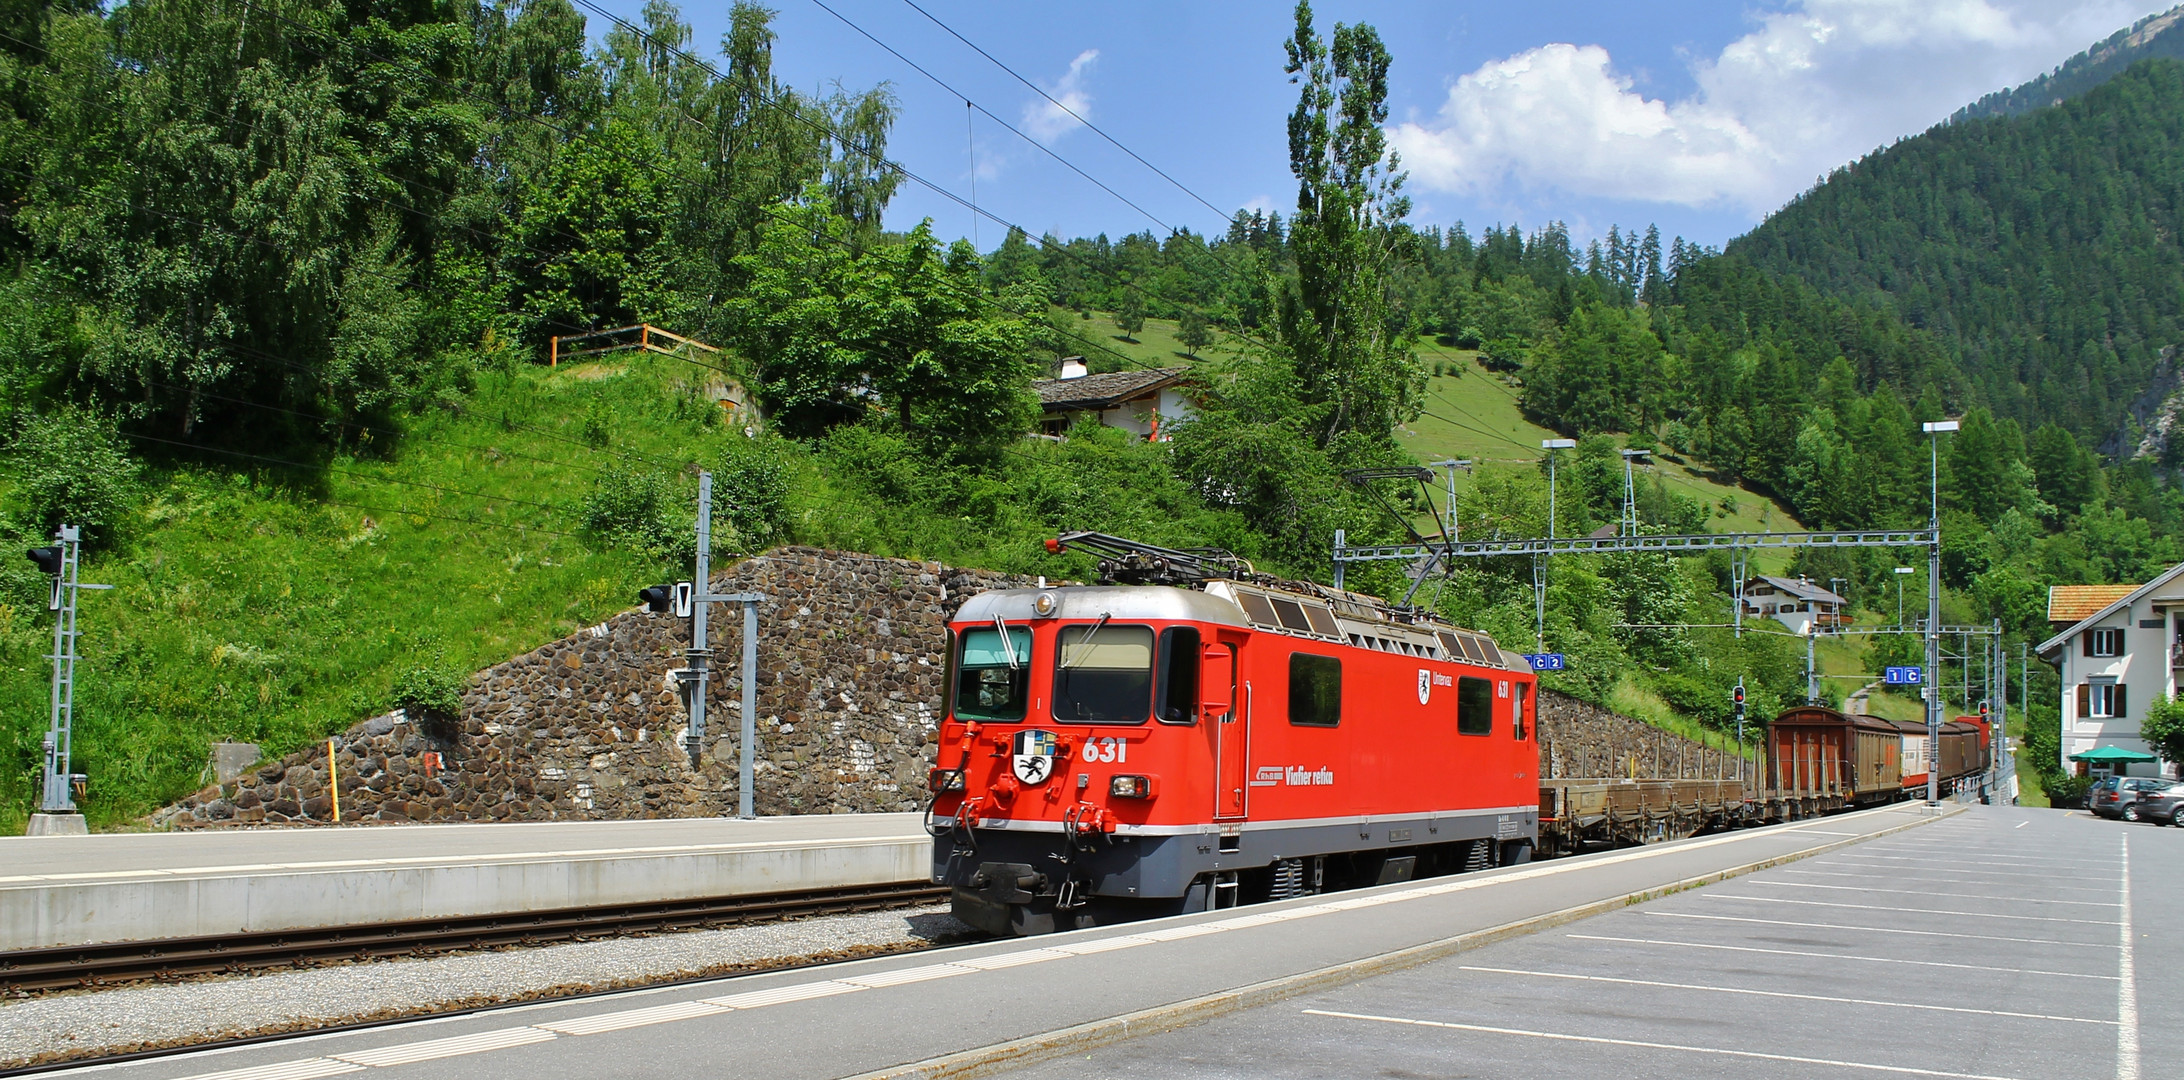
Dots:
{"x": 1962, "y": 751}
{"x": 1814, "y": 750}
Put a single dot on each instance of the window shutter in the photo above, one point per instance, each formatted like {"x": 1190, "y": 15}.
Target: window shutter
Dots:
{"x": 2085, "y": 700}
{"x": 2119, "y": 709}
{"x": 2085, "y": 642}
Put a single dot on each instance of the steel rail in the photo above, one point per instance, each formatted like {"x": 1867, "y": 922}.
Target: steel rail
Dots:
{"x": 84, "y": 966}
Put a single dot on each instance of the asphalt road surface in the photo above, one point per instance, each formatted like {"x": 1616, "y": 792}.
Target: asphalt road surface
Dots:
{"x": 1992, "y": 944}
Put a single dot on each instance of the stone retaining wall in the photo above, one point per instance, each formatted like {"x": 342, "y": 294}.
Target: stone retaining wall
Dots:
{"x": 588, "y": 727}
{"x": 1578, "y": 739}
{"x": 851, "y": 667}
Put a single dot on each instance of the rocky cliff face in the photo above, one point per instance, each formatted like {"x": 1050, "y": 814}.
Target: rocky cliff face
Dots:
{"x": 850, "y": 681}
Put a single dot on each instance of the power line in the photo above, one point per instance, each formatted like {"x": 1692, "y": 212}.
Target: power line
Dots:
{"x": 1096, "y": 129}
{"x": 938, "y": 81}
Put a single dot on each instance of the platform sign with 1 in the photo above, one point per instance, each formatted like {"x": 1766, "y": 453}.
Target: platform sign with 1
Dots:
{"x": 1903, "y": 676}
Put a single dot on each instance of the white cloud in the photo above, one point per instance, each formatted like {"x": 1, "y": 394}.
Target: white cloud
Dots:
{"x": 1810, "y": 88}
{"x": 1047, "y": 121}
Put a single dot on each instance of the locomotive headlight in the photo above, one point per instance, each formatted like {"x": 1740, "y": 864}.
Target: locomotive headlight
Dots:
{"x": 1044, "y": 604}
{"x": 942, "y": 780}
{"x": 1131, "y": 787}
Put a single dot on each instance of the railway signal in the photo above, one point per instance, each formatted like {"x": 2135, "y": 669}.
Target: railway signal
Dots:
{"x": 57, "y": 811}
{"x": 688, "y": 600}
{"x": 1736, "y": 697}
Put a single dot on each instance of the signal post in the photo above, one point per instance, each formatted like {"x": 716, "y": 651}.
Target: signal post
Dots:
{"x": 57, "y": 814}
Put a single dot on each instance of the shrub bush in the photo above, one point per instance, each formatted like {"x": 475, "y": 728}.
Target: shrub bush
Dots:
{"x": 640, "y": 511}
{"x": 432, "y": 695}
{"x": 750, "y": 496}
{"x": 75, "y": 472}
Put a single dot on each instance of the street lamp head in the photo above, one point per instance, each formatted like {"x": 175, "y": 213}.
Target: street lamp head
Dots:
{"x": 1635, "y": 453}
{"x": 1905, "y": 570}
{"x": 1936, "y": 426}
{"x": 1557, "y": 444}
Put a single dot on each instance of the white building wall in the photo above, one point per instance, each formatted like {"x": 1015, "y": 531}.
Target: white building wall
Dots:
{"x": 2143, "y": 670}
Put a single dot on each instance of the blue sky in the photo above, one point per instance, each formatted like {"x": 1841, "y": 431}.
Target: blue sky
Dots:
{"x": 1699, "y": 116}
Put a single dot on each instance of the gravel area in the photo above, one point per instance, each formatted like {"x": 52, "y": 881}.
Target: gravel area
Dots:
{"x": 86, "y": 1023}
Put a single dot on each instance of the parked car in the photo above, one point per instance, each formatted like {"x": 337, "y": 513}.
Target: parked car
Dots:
{"x": 2160, "y": 807}
{"x": 2118, "y": 796}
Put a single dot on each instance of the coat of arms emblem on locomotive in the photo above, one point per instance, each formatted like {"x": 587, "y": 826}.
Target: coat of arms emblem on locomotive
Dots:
{"x": 1425, "y": 686}
{"x": 1034, "y": 755}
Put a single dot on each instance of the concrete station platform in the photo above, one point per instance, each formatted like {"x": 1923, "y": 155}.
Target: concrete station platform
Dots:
{"x": 1481, "y": 954}
{"x": 76, "y": 890}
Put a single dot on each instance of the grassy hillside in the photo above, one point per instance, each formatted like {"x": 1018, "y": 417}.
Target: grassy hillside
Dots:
{"x": 276, "y": 604}
{"x": 1472, "y": 413}
{"x": 245, "y": 608}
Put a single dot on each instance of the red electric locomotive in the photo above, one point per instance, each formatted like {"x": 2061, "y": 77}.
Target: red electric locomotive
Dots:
{"x": 1129, "y": 750}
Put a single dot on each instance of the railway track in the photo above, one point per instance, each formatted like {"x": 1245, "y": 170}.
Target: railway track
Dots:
{"x": 84, "y": 966}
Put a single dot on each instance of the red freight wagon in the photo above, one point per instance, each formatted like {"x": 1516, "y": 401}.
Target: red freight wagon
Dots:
{"x": 1122, "y": 751}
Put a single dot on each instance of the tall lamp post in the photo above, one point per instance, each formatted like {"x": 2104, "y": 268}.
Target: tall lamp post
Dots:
{"x": 1554, "y": 448}
{"x": 1630, "y": 492}
{"x": 1934, "y": 429}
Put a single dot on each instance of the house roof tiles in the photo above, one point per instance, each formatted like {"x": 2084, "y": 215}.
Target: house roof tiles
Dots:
{"x": 1104, "y": 391}
{"x": 2070, "y": 603}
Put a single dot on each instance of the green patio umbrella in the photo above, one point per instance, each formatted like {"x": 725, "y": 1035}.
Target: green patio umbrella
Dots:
{"x": 2113, "y": 755}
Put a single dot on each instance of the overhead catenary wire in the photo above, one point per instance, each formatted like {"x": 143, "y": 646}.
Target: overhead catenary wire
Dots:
{"x": 969, "y": 103}
{"x": 1041, "y": 91}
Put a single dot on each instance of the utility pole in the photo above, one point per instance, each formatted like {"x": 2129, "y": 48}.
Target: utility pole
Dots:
{"x": 1934, "y": 429}
{"x": 1738, "y": 699}
{"x": 57, "y": 813}
{"x": 1812, "y": 686}
{"x": 692, "y": 598}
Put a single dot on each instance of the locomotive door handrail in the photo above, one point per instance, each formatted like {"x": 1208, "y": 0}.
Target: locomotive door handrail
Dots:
{"x": 1232, "y": 736}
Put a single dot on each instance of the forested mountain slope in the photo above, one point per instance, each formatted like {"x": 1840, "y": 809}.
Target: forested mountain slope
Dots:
{"x": 2152, "y": 36}
{"x": 2041, "y": 249}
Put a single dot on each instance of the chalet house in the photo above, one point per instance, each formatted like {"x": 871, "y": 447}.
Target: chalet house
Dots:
{"x": 1140, "y": 402}
{"x": 1796, "y": 603}
{"x": 2117, "y": 648}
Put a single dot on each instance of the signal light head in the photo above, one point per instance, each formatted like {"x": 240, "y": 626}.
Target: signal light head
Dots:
{"x": 47, "y": 558}
{"x": 1739, "y": 695}
{"x": 657, "y": 599}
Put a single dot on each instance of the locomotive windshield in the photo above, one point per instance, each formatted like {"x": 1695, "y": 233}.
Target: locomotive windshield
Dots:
{"x": 993, "y": 676}
{"x": 1104, "y": 675}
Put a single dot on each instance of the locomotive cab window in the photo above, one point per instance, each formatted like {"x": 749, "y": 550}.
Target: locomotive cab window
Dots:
{"x": 1104, "y": 674}
{"x": 1474, "y": 706}
{"x": 1315, "y": 690}
{"x": 993, "y": 674}
{"x": 1177, "y": 700}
